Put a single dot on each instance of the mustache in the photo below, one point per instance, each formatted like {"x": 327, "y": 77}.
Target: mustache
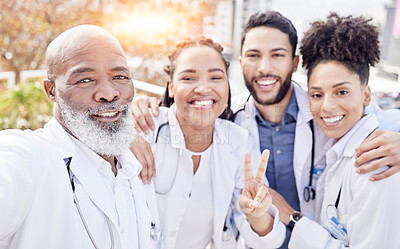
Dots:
{"x": 266, "y": 76}
{"x": 107, "y": 107}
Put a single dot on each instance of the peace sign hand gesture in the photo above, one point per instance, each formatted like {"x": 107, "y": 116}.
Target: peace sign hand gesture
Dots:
{"x": 256, "y": 199}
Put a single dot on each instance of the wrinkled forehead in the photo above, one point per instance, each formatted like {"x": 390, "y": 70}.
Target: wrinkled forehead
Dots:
{"x": 76, "y": 42}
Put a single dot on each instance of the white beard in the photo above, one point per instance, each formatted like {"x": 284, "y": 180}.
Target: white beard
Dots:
{"x": 106, "y": 139}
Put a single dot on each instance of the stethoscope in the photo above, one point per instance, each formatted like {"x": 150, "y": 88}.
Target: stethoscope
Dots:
{"x": 227, "y": 231}
{"x": 308, "y": 191}
{"x": 67, "y": 162}
{"x": 177, "y": 167}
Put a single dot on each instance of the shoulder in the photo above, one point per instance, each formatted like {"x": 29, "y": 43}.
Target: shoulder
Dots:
{"x": 13, "y": 139}
{"x": 231, "y": 129}
{"x": 239, "y": 101}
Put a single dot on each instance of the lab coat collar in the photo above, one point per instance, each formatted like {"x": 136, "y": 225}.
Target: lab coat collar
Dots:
{"x": 177, "y": 137}
{"x": 84, "y": 166}
{"x": 304, "y": 115}
{"x": 58, "y": 137}
{"x": 220, "y": 133}
{"x": 345, "y": 147}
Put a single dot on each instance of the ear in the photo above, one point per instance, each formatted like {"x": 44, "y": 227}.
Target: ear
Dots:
{"x": 170, "y": 92}
{"x": 367, "y": 95}
{"x": 295, "y": 63}
{"x": 50, "y": 88}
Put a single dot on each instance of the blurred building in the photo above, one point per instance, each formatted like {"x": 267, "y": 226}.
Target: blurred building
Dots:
{"x": 391, "y": 39}
{"x": 229, "y": 20}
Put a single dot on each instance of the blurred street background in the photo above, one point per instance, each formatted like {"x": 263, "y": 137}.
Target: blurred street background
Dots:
{"x": 148, "y": 30}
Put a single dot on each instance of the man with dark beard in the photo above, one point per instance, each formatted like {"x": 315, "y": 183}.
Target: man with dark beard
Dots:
{"x": 74, "y": 184}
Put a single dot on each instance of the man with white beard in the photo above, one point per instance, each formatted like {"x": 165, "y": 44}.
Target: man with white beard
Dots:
{"x": 74, "y": 184}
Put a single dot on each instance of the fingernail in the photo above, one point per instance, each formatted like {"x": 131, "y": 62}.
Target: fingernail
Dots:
{"x": 358, "y": 171}
{"x": 255, "y": 204}
{"x": 152, "y": 127}
{"x": 146, "y": 132}
{"x": 371, "y": 178}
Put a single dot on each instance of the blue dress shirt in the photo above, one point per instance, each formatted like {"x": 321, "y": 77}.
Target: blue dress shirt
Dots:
{"x": 279, "y": 140}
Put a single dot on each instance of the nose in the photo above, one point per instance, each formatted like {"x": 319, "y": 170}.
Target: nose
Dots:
{"x": 106, "y": 91}
{"x": 202, "y": 87}
{"x": 328, "y": 104}
{"x": 265, "y": 66}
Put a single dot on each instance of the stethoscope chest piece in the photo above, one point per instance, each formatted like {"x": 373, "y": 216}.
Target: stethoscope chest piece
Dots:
{"x": 308, "y": 193}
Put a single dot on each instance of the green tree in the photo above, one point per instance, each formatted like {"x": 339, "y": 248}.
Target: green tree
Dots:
{"x": 27, "y": 28}
{"x": 26, "y": 106}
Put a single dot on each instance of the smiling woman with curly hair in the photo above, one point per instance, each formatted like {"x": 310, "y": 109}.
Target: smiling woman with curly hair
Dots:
{"x": 353, "y": 212}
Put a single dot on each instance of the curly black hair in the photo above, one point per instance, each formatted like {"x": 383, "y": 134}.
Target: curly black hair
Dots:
{"x": 349, "y": 40}
{"x": 170, "y": 69}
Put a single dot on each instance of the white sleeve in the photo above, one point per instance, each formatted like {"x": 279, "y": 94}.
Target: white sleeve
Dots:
{"x": 372, "y": 220}
{"x": 275, "y": 238}
{"x": 16, "y": 183}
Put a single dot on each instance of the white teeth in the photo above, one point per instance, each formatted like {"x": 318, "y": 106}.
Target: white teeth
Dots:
{"x": 266, "y": 82}
{"x": 107, "y": 114}
{"x": 333, "y": 119}
{"x": 203, "y": 102}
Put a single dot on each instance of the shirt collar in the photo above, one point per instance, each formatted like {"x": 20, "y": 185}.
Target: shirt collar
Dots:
{"x": 290, "y": 114}
{"x": 220, "y": 133}
{"x": 68, "y": 146}
{"x": 345, "y": 147}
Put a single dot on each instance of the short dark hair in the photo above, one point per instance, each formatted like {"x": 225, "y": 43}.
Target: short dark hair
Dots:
{"x": 351, "y": 41}
{"x": 271, "y": 19}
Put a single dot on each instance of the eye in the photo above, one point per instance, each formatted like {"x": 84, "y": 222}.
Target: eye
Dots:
{"x": 316, "y": 95}
{"x": 216, "y": 78}
{"x": 85, "y": 80}
{"x": 187, "y": 78}
{"x": 121, "y": 77}
{"x": 252, "y": 55}
{"x": 277, "y": 55}
{"x": 342, "y": 92}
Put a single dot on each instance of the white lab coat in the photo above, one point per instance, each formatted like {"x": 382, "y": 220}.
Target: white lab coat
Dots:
{"x": 368, "y": 210}
{"x": 302, "y": 142}
{"x": 36, "y": 202}
{"x": 388, "y": 120}
{"x": 229, "y": 145}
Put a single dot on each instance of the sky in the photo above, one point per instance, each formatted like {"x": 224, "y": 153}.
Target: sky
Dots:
{"x": 302, "y": 12}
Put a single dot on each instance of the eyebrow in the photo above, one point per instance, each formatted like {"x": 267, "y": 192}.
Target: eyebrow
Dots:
{"x": 119, "y": 69}
{"x": 340, "y": 84}
{"x": 279, "y": 49}
{"x": 209, "y": 70}
{"x": 334, "y": 86}
{"x": 82, "y": 70}
{"x": 215, "y": 70}
{"x": 187, "y": 71}
{"x": 272, "y": 50}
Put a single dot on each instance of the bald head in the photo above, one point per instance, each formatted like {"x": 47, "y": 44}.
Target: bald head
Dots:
{"x": 72, "y": 42}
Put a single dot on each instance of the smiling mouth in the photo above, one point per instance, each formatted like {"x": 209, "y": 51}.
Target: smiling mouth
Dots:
{"x": 333, "y": 120}
{"x": 203, "y": 104}
{"x": 266, "y": 82}
{"x": 108, "y": 116}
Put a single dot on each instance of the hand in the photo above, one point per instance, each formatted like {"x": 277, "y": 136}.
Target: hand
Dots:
{"x": 255, "y": 199}
{"x": 384, "y": 148}
{"x": 285, "y": 210}
{"x": 142, "y": 151}
{"x": 140, "y": 111}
